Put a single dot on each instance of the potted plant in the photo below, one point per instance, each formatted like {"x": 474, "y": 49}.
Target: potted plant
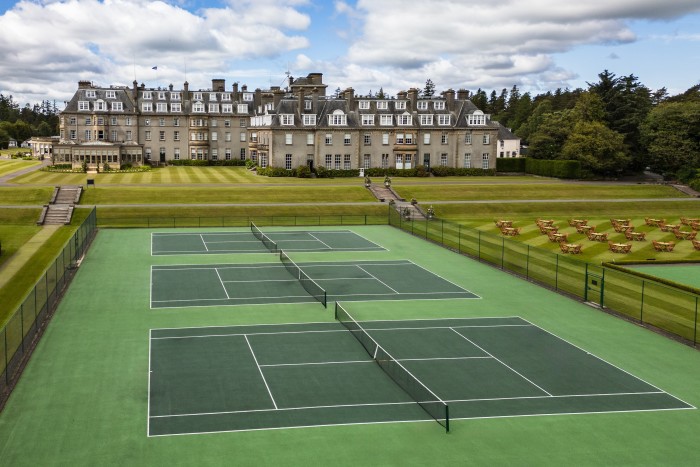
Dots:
{"x": 414, "y": 201}
{"x": 387, "y": 181}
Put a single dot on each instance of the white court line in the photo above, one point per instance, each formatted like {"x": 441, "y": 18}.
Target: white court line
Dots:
{"x": 261, "y": 372}
{"x": 222, "y": 283}
{"x": 504, "y": 364}
{"x": 342, "y": 329}
{"x": 321, "y": 241}
{"x": 204, "y": 242}
{"x": 150, "y": 371}
{"x": 372, "y": 361}
{"x": 377, "y": 279}
{"x": 606, "y": 362}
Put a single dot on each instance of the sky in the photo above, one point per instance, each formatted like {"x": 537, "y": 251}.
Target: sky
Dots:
{"x": 536, "y": 45}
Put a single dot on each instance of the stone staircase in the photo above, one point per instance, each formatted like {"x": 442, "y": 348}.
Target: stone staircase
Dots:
{"x": 387, "y": 194}
{"x": 60, "y": 208}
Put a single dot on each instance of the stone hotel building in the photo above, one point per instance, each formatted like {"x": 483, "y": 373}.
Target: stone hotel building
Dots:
{"x": 299, "y": 125}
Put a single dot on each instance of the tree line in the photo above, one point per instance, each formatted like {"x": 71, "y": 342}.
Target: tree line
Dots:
{"x": 23, "y": 123}
{"x": 614, "y": 127}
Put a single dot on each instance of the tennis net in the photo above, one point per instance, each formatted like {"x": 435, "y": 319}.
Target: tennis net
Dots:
{"x": 419, "y": 392}
{"x": 267, "y": 241}
{"x": 308, "y": 283}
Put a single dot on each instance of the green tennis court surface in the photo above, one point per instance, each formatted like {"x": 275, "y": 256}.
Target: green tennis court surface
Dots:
{"x": 317, "y": 374}
{"x": 261, "y": 283}
{"x": 688, "y": 273}
{"x": 174, "y": 243}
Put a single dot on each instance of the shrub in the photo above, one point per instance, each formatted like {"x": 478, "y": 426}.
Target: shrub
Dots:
{"x": 461, "y": 172}
{"x": 553, "y": 168}
{"x": 126, "y": 166}
{"x": 304, "y": 171}
{"x": 270, "y": 171}
{"x": 514, "y": 164}
{"x": 106, "y": 167}
{"x": 84, "y": 166}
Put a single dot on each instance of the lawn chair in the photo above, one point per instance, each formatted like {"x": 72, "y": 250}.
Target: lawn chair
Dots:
{"x": 696, "y": 244}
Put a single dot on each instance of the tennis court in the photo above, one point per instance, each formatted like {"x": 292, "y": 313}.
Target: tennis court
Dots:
{"x": 236, "y": 378}
{"x": 202, "y": 243}
{"x": 285, "y": 282}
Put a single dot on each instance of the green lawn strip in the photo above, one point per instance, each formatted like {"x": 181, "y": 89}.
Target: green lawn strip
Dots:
{"x": 448, "y": 192}
{"x": 19, "y": 216}
{"x": 39, "y": 257}
{"x": 14, "y": 165}
{"x": 76, "y": 374}
{"x": 239, "y": 215}
{"x": 11, "y": 196}
{"x": 12, "y": 238}
{"x": 667, "y": 209}
{"x": 223, "y": 195}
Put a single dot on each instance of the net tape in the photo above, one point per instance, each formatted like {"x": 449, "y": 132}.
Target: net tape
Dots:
{"x": 267, "y": 241}
{"x": 307, "y": 283}
{"x": 419, "y": 392}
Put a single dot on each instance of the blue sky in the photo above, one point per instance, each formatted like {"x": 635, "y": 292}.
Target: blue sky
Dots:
{"x": 538, "y": 45}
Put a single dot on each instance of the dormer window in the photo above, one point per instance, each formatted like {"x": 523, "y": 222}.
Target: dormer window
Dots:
{"x": 476, "y": 118}
{"x": 147, "y": 95}
{"x": 422, "y": 105}
{"x": 198, "y": 107}
{"x": 226, "y": 96}
{"x": 364, "y": 105}
{"x": 382, "y": 105}
{"x": 161, "y": 95}
{"x": 111, "y": 95}
{"x": 100, "y": 105}
{"x": 90, "y": 94}
{"x": 337, "y": 118}
{"x": 212, "y": 96}
{"x": 286, "y": 119}
{"x": 248, "y": 96}
{"x": 198, "y": 96}
{"x": 439, "y": 105}
{"x": 404, "y": 119}
{"x": 174, "y": 96}
{"x": 400, "y": 105}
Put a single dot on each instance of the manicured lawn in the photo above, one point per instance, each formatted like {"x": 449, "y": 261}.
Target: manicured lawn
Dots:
{"x": 452, "y": 192}
{"x": 225, "y": 195}
{"x": 23, "y": 196}
{"x": 13, "y": 237}
{"x": 13, "y": 165}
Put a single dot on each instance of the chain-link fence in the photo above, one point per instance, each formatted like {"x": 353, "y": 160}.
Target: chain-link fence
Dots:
{"x": 17, "y": 337}
{"x": 645, "y": 301}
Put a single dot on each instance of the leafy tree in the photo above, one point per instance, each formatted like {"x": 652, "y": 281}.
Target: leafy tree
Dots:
{"x": 547, "y": 141}
{"x": 671, "y": 134}
{"x": 380, "y": 94}
{"x": 599, "y": 149}
{"x": 480, "y": 100}
{"x": 429, "y": 89}
{"x": 627, "y": 103}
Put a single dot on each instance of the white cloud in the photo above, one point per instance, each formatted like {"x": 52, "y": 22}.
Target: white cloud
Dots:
{"x": 54, "y": 42}
{"x": 469, "y": 43}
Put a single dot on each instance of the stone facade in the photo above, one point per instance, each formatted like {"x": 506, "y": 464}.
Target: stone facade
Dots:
{"x": 284, "y": 128}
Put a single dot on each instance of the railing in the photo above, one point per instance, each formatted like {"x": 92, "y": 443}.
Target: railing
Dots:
{"x": 645, "y": 301}
{"x": 242, "y": 221}
{"x": 19, "y": 335}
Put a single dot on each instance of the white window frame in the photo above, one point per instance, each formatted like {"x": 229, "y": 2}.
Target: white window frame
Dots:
{"x": 422, "y": 105}
{"x": 309, "y": 119}
{"x": 176, "y": 107}
{"x": 439, "y": 105}
{"x": 364, "y": 105}
{"x": 287, "y": 119}
{"x": 83, "y": 105}
{"x": 382, "y": 105}
{"x": 288, "y": 138}
{"x": 386, "y": 120}
{"x": 242, "y": 108}
{"x": 444, "y": 119}
{"x": 117, "y": 106}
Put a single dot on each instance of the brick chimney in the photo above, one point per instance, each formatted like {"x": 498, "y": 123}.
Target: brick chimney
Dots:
{"x": 218, "y": 85}
{"x": 450, "y": 98}
{"x": 413, "y": 99}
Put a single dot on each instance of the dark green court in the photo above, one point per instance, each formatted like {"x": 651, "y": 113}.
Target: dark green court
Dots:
{"x": 175, "y": 286}
{"x": 317, "y": 374}
{"x": 202, "y": 243}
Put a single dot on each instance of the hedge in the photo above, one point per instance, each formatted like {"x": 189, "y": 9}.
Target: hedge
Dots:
{"x": 204, "y": 163}
{"x": 553, "y": 168}
{"x": 512, "y": 164}
{"x": 461, "y": 172}
{"x": 418, "y": 171}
